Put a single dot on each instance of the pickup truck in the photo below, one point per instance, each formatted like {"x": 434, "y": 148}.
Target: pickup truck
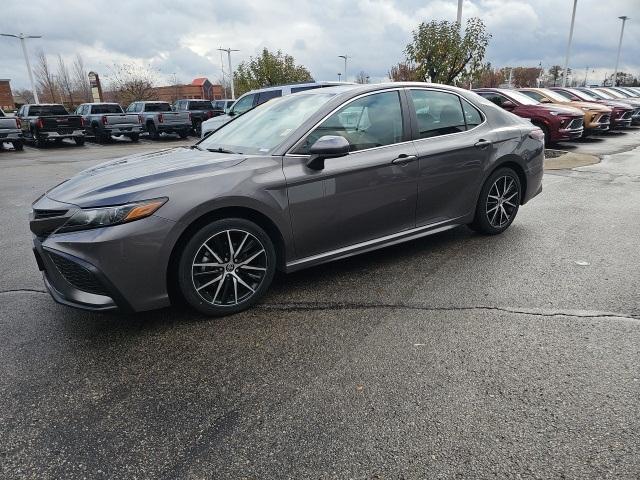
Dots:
{"x": 102, "y": 120}
{"x": 10, "y": 131}
{"x": 49, "y": 121}
{"x": 157, "y": 117}
{"x": 200, "y": 111}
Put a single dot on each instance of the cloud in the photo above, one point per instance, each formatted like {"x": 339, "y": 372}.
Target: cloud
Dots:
{"x": 183, "y": 37}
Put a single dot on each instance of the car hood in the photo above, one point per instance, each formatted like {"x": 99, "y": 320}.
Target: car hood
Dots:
{"x": 562, "y": 109}
{"x": 216, "y": 122}
{"x": 591, "y": 106}
{"x": 616, "y": 103}
{"x": 129, "y": 178}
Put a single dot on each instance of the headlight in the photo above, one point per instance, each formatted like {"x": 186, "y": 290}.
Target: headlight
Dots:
{"x": 87, "y": 218}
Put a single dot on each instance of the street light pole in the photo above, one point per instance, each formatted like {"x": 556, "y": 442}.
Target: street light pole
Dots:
{"x": 566, "y": 59}
{"x": 22, "y": 37}
{"x": 339, "y": 76}
{"x": 229, "y": 50}
{"x": 459, "y": 17}
{"x": 345, "y": 65}
{"x": 615, "y": 72}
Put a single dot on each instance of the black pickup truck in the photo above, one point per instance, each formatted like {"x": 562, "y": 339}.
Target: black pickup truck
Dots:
{"x": 50, "y": 121}
{"x": 200, "y": 111}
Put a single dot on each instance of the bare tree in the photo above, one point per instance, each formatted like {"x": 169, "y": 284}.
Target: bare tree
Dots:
{"x": 81, "y": 80}
{"x": 223, "y": 81}
{"x": 64, "y": 80}
{"x": 130, "y": 82}
{"x": 45, "y": 79}
{"x": 362, "y": 77}
{"x": 26, "y": 95}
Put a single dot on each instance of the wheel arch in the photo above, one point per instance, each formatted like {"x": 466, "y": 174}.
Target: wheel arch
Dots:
{"x": 513, "y": 162}
{"x": 243, "y": 212}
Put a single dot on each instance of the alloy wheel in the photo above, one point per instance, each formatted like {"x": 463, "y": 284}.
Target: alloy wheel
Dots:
{"x": 502, "y": 201}
{"x": 229, "y": 267}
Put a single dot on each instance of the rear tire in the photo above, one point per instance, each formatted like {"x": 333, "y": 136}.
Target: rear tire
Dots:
{"x": 217, "y": 278}
{"x": 134, "y": 137}
{"x": 498, "y": 202}
{"x": 18, "y": 145}
{"x": 183, "y": 134}
{"x": 79, "y": 141}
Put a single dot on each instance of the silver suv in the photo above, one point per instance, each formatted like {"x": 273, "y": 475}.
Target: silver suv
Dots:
{"x": 258, "y": 97}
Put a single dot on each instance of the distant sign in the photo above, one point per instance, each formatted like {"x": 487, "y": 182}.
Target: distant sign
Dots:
{"x": 96, "y": 88}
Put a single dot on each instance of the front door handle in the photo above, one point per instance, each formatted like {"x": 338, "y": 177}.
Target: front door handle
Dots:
{"x": 403, "y": 159}
{"x": 482, "y": 143}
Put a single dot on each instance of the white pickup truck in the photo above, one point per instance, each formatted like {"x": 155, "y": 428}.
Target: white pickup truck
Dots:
{"x": 102, "y": 120}
{"x": 10, "y": 131}
{"x": 158, "y": 117}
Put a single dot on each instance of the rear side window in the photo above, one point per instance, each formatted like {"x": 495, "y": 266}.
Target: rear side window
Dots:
{"x": 157, "y": 107}
{"x": 369, "y": 122}
{"x": 534, "y": 95}
{"x": 438, "y": 113}
{"x": 471, "y": 114}
{"x": 268, "y": 95}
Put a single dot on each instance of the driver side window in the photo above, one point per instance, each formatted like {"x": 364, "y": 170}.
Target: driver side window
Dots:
{"x": 368, "y": 122}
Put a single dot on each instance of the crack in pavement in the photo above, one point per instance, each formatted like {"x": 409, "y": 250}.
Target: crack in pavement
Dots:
{"x": 540, "y": 312}
{"x": 22, "y": 290}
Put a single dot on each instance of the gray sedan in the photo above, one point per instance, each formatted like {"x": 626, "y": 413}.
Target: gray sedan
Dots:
{"x": 301, "y": 180}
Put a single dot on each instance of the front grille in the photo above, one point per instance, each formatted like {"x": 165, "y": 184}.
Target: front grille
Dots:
{"x": 604, "y": 119}
{"x": 42, "y": 214}
{"x": 575, "y": 123}
{"x": 626, "y": 115}
{"x": 77, "y": 275}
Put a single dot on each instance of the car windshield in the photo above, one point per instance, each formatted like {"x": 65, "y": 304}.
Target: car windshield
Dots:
{"x": 521, "y": 98}
{"x": 42, "y": 110}
{"x": 555, "y": 96}
{"x": 584, "y": 95}
{"x": 604, "y": 95}
{"x": 261, "y": 129}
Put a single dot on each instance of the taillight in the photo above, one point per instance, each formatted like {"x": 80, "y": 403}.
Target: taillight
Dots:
{"x": 82, "y": 121}
{"x": 39, "y": 123}
{"x": 140, "y": 119}
{"x": 160, "y": 118}
{"x": 104, "y": 119}
{"x": 18, "y": 123}
{"x": 189, "y": 116}
{"x": 537, "y": 134}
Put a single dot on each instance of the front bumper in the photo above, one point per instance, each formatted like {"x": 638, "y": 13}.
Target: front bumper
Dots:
{"x": 120, "y": 267}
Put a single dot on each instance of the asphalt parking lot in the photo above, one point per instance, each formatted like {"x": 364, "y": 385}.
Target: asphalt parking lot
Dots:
{"x": 453, "y": 356}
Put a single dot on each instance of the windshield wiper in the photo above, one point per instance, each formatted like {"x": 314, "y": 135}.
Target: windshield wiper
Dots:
{"x": 220, "y": 150}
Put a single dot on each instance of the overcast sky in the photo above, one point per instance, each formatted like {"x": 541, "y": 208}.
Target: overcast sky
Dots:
{"x": 182, "y": 37}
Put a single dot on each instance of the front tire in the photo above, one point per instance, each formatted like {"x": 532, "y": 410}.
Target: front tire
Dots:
{"x": 183, "y": 134}
{"x": 498, "y": 203}
{"x": 226, "y": 267}
{"x": 18, "y": 145}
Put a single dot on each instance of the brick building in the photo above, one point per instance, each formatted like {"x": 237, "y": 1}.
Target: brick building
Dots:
{"x": 6, "y": 97}
{"x": 199, "y": 88}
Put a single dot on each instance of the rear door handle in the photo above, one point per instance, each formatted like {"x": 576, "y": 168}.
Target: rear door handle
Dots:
{"x": 403, "y": 159}
{"x": 482, "y": 143}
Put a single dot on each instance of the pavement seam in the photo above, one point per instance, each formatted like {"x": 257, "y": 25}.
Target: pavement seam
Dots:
{"x": 311, "y": 306}
{"x": 22, "y": 290}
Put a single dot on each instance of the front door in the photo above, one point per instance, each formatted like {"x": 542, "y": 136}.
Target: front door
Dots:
{"x": 367, "y": 194}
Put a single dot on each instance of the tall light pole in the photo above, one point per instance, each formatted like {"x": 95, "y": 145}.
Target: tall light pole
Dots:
{"x": 339, "y": 76}
{"x": 615, "y": 72}
{"x": 566, "y": 58}
{"x": 345, "y": 65}
{"x": 229, "y": 50}
{"x": 459, "y": 17}
{"x": 22, "y": 36}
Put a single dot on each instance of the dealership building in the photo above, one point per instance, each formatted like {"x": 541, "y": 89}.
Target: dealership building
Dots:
{"x": 198, "y": 88}
{"x": 6, "y": 97}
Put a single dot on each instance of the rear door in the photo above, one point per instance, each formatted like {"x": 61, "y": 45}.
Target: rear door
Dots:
{"x": 453, "y": 144}
{"x": 367, "y": 194}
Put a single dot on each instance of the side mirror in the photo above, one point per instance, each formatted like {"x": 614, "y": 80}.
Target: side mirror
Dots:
{"x": 508, "y": 105}
{"x": 327, "y": 146}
